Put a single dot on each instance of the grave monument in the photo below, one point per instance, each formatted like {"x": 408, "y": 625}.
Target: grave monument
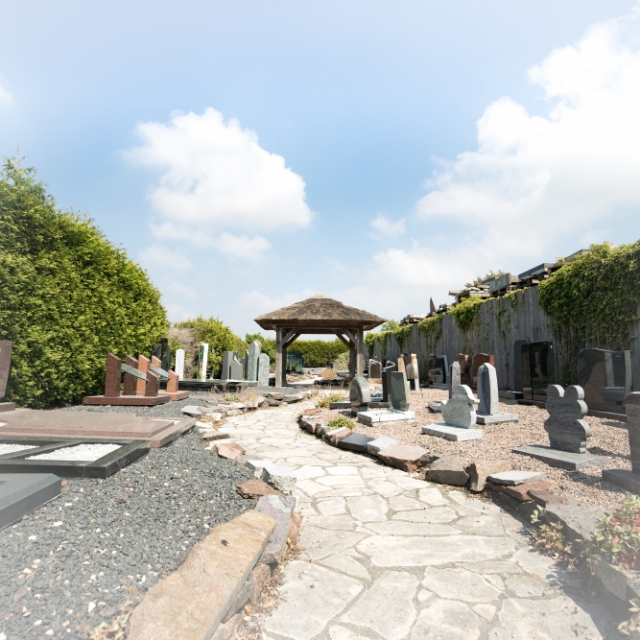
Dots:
{"x": 463, "y": 360}
{"x": 386, "y": 372}
{"x": 624, "y": 478}
{"x": 460, "y": 417}
{"x": 375, "y": 369}
{"x": 568, "y": 432}
{"x": 263, "y": 370}
{"x": 359, "y": 395}
{"x": 253, "y": 354}
{"x": 203, "y": 356}
{"x": 179, "y": 365}
{"x": 478, "y": 360}
{"x": 489, "y": 407}
{"x": 399, "y": 393}
{"x": 605, "y": 377}
{"x": 171, "y": 379}
{"x": 162, "y": 351}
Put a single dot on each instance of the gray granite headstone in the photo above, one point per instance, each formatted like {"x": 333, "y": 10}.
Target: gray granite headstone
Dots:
{"x": 455, "y": 377}
{"x": 565, "y": 426}
{"x": 263, "y": 370}
{"x": 460, "y": 409}
{"x": 375, "y": 369}
{"x": 227, "y": 359}
{"x": 398, "y": 390}
{"x": 488, "y": 390}
{"x": 386, "y": 372}
{"x": 236, "y": 368}
{"x": 359, "y": 394}
{"x": 252, "y": 360}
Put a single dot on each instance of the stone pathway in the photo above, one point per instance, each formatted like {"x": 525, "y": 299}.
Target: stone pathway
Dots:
{"x": 388, "y": 556}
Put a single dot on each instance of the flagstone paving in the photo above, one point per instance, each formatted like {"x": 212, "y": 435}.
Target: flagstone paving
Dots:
{"x": 388, "y": 556}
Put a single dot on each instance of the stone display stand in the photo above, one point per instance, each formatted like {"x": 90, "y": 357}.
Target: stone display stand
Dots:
{"x": 172, "y": 381}
{"x": 21, "y": 493}
{"x": 624, "y": 478}
{"x": 568, "y": 432}
{"x": 147, "y": 381}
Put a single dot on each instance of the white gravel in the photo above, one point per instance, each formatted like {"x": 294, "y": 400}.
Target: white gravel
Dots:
{"x": 14, "y": 448}
{"x": 80, "y": 452}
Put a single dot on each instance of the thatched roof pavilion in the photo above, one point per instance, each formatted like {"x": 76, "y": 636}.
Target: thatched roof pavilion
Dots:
{"x": 314, "y": 315}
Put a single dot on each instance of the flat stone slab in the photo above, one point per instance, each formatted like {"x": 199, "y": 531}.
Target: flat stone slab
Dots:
{"x": 370, "y": 418}
{"x": 355, "y": 442}
{"x": 623, "y": 478}
{"x": 91, "y": 426}
{"x": 496, "y": 417}
{"x": 457, "y": 434}
{"x": 280, "y": 509}
{"x": 256, "y": 466}
{"x": 435, "y": 405}
{"x": 345, "y": 404}
{"x": 513, "y": 478}
{"x": 191, "y": 602}
{"x": 380, "y": 443}
{"x": 447, "y": 470}
{"x": 21, "y": 493}
{"x": 580, "y": 521}
{"x": 405, "y": 457}
{"x": 562, "y": 459}
{"x": 334, "y": 436}
{"x": 256, "y": 489}
{"x": 279, "y": 477}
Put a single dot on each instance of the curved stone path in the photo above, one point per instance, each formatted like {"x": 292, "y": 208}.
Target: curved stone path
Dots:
{"x": 388, "y": 556}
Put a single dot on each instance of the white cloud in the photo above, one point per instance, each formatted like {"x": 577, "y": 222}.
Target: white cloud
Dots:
{"x": 534, "y": 180}
{"x": 160, "y": 257}
{"x": 216, "y": 178}
{"x": 385, "y": 228}
{"x": 6, "y": 97}
{"x": 179, "y": 289}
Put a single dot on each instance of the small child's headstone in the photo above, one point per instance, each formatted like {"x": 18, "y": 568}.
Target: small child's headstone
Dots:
{"x": 460, "y": 417}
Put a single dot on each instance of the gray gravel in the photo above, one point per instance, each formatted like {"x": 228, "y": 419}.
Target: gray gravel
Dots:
{"x": 90, "y": 555}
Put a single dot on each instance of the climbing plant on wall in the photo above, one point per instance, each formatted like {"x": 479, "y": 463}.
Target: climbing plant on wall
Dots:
{"x": 431, "y": 329}
{"x": 593, "y": 301}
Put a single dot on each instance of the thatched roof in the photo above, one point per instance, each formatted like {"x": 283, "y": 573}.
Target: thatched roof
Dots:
{"x": 319, "y": 312}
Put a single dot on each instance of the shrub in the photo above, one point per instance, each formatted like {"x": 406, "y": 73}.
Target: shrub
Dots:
{"x": 219, "y": 338}
{"x": 618, "y": 535}
{"x": 316, "y": 353}
{"x": 332, "y": 397}
{"x": 68, "y": 297}
{"x": 340, "y": 422}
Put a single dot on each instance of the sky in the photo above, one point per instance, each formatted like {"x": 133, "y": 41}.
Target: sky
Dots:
{"x": 251, "y": 154}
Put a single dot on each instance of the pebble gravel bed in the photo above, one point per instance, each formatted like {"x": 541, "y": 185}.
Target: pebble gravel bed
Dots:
{"x": 81, "y": 563}
{"x": 610, "y": 438}
{"x": 14, "y": 448}
{"x": 78, "y": 453}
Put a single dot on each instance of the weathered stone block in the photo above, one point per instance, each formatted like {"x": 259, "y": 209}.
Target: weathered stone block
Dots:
{"x": 280, "y": 509}
{"x": 405, "y": 457}
{"x": 378, "y": 444}
{"x": 355, "y": 442}
{"x": 334, "y": 436}
{"x": 478, "y": 471}
{"x": 279, "y": 477}
{"x": 514, "y": 478}
{"x": 447, "y": 470}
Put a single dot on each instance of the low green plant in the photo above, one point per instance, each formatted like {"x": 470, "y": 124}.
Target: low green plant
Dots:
{"x": 332, "y": 397}
{"x": 550, "y": 540}
{"x": 618, "y": 535}
{"x": 340, "y": 422}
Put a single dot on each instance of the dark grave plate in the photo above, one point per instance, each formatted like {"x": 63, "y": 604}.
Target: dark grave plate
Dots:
{"x": 355, "y": 442}
{"x": 340, "y": 405}
{"x": 623, "y": 478}
{"x": 562, "y": 459}
{"x": 21, "y": 493}
{"x": 104, "y": 467}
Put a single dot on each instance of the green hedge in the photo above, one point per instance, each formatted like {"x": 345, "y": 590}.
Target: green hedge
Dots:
{"x": 68, "y": 297}
{"x": 219, "y": 338}
{"x": 316, "y": 353}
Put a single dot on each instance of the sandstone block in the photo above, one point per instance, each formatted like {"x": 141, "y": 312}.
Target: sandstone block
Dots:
{"x": 230, "y": 450}
{"x": 405, "y": 457}
{"x": 256, "y": 489}
{"x": 448, "y": 470}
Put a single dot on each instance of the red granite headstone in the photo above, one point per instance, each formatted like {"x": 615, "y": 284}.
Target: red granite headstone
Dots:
{"x": 463, "y": 360}
{"x": 478, "y": 360}
{"x": 112, "y": 377}
{"x": 129, "y": 380}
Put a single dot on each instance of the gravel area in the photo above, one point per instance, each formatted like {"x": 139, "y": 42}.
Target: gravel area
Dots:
{"x": 79, "y": 452}
{"x": 84, "y": 560}
{"x": 610, "y": 438}
{"x": 14, "y": 448}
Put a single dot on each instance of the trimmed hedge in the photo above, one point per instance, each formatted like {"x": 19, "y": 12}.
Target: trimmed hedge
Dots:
{"x": 68, "y": 297}
{"x": 316, "y": 353}
{"x": 217, "y": 335}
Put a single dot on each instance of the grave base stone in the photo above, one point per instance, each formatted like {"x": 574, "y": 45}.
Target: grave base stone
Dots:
{"x": 562, "y": 459}
{"x": 623, "y": 478}
{"x": 456, "y": 434}
{"x": 496, "y": 417}
{"x": 369, "y": 418}
{"x": 21, "y": 493}
{"x": 435, "y": 406}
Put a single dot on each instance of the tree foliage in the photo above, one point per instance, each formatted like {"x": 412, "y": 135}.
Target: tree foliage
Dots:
{"x": 69, "y": 296}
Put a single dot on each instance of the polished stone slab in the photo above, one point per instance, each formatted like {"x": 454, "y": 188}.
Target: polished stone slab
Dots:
{"x": 562, "y": 459}
{"x": 370, "y": 418}
{"x": 496, "y": 417}
{"x": 123, "y": 456}
{"x": 21, "y": 493}
{"x": 91, "y": 426}
{"x": 457, "y": 434}
{"x": 355, "y": 442}
{"x": 514, "y": 478}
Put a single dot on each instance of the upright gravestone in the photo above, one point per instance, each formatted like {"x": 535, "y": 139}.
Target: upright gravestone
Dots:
{"x": 605, "y": 377}
{"x": 203, "y": 357}
{"x": 227, "y": 358}
{"x": 263, "y": 370}
{"x": 460, "y": 417}
{"x": 623, "y": 477}
{"x": 236, "y": 368}
{"x": 179, "y": 365}
{"x": 402, "y": 366}
{"x": 568, "y": 432}
{"x": 252, "y": 360}
{"x": 399, "y": 391}
{"x": 518, "y": 380}
{"x": 386, "y": 372}
{"x": 463, "y": 360}
{"x": 5, "y": 366}
{"x": 375, "y": 369}
{"x": 489, "y": 407}
{"x": 359, "y": 395}
{"x": 478, "y": 360}
{"x": 415, "y": 371}
{"x": 162, "y": 351}
{"x": 455, "y": 378}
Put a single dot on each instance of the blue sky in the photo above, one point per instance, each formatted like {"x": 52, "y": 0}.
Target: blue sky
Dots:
{"x": 250, "y": 154}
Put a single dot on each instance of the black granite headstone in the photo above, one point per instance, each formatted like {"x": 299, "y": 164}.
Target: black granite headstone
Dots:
{"x": 538, "y": 369}
{"x": 605, "y": 377}
{"x": 386, "y": 372}
{"x": 162, "y": 351}
{"x": 517, "y": 364}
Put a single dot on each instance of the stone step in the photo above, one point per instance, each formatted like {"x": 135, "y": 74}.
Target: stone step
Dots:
{"x": 191, "y": 602}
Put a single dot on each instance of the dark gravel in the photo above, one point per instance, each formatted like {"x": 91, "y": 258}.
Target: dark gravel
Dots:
{"x": 103, "y": 543}
{"x": 167, "y": 410}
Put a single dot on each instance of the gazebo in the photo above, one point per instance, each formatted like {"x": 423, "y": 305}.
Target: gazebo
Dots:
{"x": 318, "y": 315}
